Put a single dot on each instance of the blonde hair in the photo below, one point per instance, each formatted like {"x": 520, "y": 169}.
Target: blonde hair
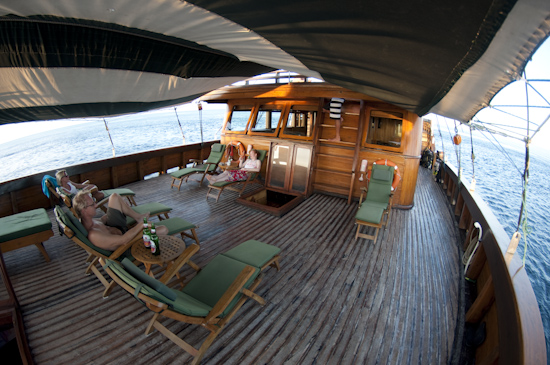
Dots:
{"x": 79, "y": 202}
{"x": 59, "y": 175}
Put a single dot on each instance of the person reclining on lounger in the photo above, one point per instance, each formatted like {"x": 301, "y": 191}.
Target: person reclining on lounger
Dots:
{"x": 71, "y": 188}
{"x": 252, "y": 164}
{"x": 110, "y": 231}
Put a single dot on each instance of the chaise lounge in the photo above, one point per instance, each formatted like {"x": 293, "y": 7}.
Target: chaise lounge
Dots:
{"x": 210, "y": 299}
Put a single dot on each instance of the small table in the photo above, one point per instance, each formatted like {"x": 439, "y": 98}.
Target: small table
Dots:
{"x": 224, "y": 166}
{"x": 170, "y": 248}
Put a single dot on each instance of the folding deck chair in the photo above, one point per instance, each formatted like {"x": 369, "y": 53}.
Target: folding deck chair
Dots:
{"x": 237, "y": 186}
{"x": 73, "y": 229}
{"x": 375, "y": 210}
{"x": 210, "y": 299}
{"x": 199, "y": 166}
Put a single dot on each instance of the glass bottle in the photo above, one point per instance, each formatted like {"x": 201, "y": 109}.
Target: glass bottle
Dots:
{"x": 146, "y": 233}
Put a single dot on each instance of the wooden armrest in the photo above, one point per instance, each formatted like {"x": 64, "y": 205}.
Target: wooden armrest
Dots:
{"x": 253, "y": 295}
{"x": 230, "y": 293}
{"x": 86, "y": 182}
{"x": 183, "y": 259}
{"x": 119, "y": 251}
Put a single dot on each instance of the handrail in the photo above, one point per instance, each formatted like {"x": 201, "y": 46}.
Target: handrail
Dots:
{"x": 520, "y": 331}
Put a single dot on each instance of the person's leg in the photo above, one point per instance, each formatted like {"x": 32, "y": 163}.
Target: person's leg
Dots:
{"x": 117, "y": 202}
{"x": 98, "y": 195}
{"x": 337, "y": 124}
{"x": 221, "y": 177}
{"x": 161, "y": 230}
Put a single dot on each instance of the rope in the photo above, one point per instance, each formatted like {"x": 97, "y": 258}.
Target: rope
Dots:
{"x": 472, "y": 186}
{"x": 200, "y": 118}
{"x": 181, "y": 129}
{"x": 112, "y": 144}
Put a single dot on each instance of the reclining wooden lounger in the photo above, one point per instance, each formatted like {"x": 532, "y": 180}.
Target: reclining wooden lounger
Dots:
{"x": 74, "y": 230}
{"x": 27, "y": 228}
{"x": 210, "y": 299}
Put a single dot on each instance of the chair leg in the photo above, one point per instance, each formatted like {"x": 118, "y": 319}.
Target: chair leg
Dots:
{"x": 109, "y": 289}
{"x": 150, "y": 326}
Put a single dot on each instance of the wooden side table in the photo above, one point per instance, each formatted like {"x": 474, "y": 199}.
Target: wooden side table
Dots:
{"x": 170, "y": 249}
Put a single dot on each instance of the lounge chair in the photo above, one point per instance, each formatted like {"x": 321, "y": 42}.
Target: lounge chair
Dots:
{"x": 199, "y": 166}
{"x": 210, "y": 299}
{"x": 27, "y": 228}
{"x": 237, "y": 186}
{"x": 54, "y": 192}
{"x": 73, "y": 229}
{"x": 375, "y": 210}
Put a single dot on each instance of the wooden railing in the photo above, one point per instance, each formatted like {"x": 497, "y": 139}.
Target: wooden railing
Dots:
{"x": 505, "y": 299}
{"x": 26, "y": 193}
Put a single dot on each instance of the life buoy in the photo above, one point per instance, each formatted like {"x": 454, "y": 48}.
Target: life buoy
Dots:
{"x": 396, "y": 176}
{"x": 237, "y": 145}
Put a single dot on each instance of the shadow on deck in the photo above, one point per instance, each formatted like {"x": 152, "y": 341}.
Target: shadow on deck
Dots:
{"x": 334, "y": 300}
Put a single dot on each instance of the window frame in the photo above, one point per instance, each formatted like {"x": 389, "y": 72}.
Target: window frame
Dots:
{"x": 369, "y": 114}
{"x": 296, "y": 104}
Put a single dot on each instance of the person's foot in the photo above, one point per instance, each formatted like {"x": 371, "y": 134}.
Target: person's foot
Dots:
{"x": 335, "y": 139}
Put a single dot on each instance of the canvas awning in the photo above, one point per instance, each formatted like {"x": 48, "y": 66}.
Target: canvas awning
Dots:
{"x": 63, "y": 59}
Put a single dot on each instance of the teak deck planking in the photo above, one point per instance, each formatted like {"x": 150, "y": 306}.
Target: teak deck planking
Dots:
{"x": 334, "y": 301}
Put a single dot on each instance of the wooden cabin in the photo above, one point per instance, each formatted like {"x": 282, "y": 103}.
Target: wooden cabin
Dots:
{"x": 291, "y": 121}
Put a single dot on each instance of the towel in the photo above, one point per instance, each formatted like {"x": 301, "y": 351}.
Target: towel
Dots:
{"x": 52, "y": 180}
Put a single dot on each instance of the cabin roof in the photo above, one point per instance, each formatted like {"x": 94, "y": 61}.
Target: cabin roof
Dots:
{"x": 75, "y": 59}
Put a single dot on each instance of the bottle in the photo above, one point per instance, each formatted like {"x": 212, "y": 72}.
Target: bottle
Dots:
{"x": 155, "y": 247}
{"x": 146, "y": 233}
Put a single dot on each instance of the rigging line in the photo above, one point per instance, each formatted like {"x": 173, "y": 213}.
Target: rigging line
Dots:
{"x": 500, "y": 124}
{"x": 539, "y": 94}
{"x": 480, "y": 127}
{"x": 540, "y": 127}
{"x": 181, "y": 129}
{"x": 501, "y": 149}
{"x": 109, "y": 133}
{"x": 440, "y": 135}
{"x": 199, "y": 105}
{"x": 473, "y": 156}
{"x": 511, "y": 114}
{"x": 519, "y": 106}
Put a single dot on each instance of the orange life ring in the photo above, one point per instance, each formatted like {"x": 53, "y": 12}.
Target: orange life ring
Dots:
{"x": 237, "y": 145}
{"x": 396, "y": 176}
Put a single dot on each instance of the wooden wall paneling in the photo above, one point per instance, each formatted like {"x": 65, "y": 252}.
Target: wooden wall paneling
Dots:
{"x": 459, "y": 205}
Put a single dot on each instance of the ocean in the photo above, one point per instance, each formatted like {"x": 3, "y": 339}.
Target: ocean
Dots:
{"x": 498, "y": 175}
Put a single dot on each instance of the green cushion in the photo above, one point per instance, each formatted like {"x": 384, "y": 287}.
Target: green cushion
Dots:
{"x": 152, "y": 208}
{"x": 68, "y": 219}
{"x": 176, "y": 225}
{"x": 121, "y": 192}
{"x": 217, "y": 147}
{"x": 214, "y": 279}
{"x": 253, "y": 253}
{"x": 148, "y": 280}
{"x": 24, "y": 224}
{"x": 382, "y": 174}
{"x": 129, "y": 279}
{"x": 153, "y": 288}
{"x": 369, "y": 213}
{"x": 187, "y": 171}
{"x": 378, "y": 192}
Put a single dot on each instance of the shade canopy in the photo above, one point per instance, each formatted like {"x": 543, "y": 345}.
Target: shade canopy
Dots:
{"x": 69, "y": 58}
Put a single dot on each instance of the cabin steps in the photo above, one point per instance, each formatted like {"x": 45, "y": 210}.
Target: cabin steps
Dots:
{"x": 331, "y": 189}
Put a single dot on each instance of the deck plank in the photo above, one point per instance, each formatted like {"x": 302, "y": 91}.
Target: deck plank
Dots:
{"x": 334, "y": 301}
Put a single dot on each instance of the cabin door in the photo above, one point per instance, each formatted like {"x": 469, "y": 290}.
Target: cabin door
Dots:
{"x": 289, "y": 167}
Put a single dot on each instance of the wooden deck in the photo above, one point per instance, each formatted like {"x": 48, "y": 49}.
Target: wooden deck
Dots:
{"x": 334, "y": 300}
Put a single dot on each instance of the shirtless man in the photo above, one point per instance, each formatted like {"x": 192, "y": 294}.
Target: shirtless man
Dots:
{"x": 110, "y": 231}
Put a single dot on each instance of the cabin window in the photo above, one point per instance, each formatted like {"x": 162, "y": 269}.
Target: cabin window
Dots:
{"x": 239, "y": 118}
{"x": 267, "y": 119}
{"x": 300, "y": 121}
{"x": 385, "y": 128}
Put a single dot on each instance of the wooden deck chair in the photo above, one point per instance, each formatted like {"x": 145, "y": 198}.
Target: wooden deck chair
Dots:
{"x": 199, "y": 166}
{"x": 58, "y": 196}
{"x": 73, "y": 229}
{"x": 237, "y": 186}
{"x": 375, "y": 210}
{"x": 210, "y": 299}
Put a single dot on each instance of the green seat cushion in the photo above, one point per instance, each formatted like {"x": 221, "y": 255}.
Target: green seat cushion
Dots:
{"x": 68, "y": 219}
{"x": 214, "y": 279}
{"x": 188, "y": 170}
{"x": 382, "y": 174}
{"x": 379, "y": 192}
{"x": 253, "y": 253}
{"x": 176, "y": 225}
{"x": 24, "y": 224}
{"x": 121, "y": 192}
{"x": 369, "y": 213}
{"x": 152, "y": 208}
